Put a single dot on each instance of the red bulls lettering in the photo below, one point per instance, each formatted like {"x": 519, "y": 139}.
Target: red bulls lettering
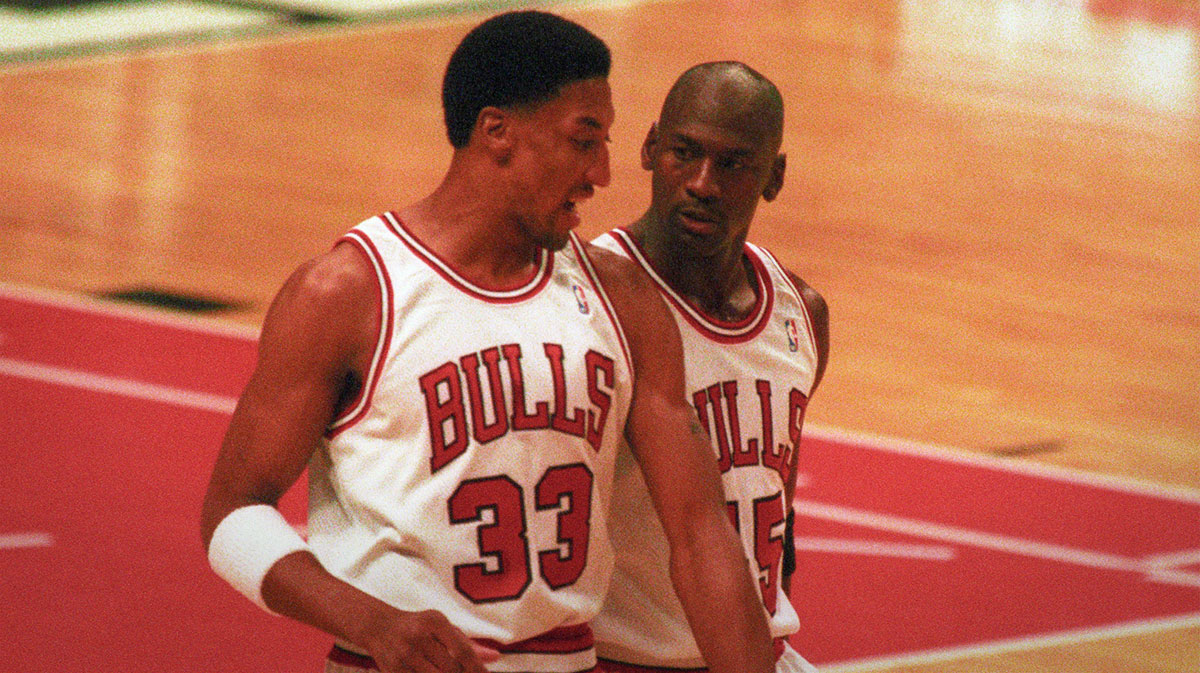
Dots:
{"x": 719, "y": 412}
{"x": 521, "y": 418}
{"x": 488, "y": 411}
{"x": 484, "y": 432}
{"x": 598, "y": 364}
{"x": 562, "y": 420}
{"x": 444, "y": 404}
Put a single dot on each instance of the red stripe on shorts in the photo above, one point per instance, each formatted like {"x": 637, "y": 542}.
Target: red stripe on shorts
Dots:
{"x": 563, "y": 640}
{"x": 610, "y": 666}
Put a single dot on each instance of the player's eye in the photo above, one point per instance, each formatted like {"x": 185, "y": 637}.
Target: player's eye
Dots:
{"x": 683, "y": 153}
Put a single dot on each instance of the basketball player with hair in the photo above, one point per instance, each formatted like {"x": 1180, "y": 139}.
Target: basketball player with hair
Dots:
{"x": 755, "y": 343}
{"x": 456, "y": 376}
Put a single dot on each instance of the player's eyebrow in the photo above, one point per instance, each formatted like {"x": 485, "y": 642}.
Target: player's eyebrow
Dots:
{"x": 696, "y": 143}
{"x": 591, "y": 122}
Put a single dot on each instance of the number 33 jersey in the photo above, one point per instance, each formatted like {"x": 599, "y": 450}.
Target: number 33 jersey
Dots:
{"x": 749, "y": 382}
{"x": 473, "y": 472}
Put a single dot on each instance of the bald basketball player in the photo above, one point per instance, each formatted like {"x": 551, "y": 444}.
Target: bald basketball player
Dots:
{"x": 755, "y": 344}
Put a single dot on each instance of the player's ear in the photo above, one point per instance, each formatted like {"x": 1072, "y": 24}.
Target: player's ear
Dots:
{"x": 650, "y": 146}
{"x": 775, "y": 182}
{"x": 494, "y": 131}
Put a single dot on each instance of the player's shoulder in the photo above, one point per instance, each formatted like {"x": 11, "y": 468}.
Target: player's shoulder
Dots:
{"x": 333, "y": 285}
{"x": 813, "y": 300}
{"x": 617, "y": 272}
{"x": 814, "y": 304}
{"x": 637, "y": 301}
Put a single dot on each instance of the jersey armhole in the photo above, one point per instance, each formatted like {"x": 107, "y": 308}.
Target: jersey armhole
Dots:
{"x": 787, "y": 278}
{"x": 586, "y": 263}
{"x": 359, "y": 406}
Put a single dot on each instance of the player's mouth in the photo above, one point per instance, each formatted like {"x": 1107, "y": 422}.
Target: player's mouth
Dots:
{"x": 699, "y": 221}
{"x": 570, "y": 213}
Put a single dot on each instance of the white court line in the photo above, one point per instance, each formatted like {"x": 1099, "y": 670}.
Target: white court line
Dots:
{"x": 25, "y": 540}
{"x": 1061, "y": 638}
{"x": 117, "y": 386}
{"x": 1181, "y": 577}
{"x": 994, "y": 541}
{"x": 1186, "y": 557}
{"x": 1040, "y": 470}
{"x": 831, "y": 545}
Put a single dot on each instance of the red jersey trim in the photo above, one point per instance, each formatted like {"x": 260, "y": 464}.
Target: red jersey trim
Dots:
{"x": 613, "y": 666}
{"x": 709, "y": 326}
{"x": 563, "y": 640}
{"x": 787, "y": 278}
{"x": 358, "y": 408}
{"x": 540, "y": 277}
{"x": 586, "y": 262}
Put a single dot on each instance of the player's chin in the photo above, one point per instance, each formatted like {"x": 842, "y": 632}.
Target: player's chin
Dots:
{"x": 553, "y": 238}
{"x": 562, "y": 222}
{"x": 696, "y": 240}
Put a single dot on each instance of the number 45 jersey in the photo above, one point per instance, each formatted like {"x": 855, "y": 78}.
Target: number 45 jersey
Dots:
{"x": 749, "y": 383}
{"x": 473, "y": 472}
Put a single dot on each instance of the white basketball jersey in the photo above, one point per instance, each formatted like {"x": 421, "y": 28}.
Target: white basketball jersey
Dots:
{"x": 471, "y": 472}
{"x": 749, "y": 382}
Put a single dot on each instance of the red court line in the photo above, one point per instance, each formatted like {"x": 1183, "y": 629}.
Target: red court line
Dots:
{"x": 918, "y": 553}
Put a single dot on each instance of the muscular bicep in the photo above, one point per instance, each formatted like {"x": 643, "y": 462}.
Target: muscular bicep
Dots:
{"x": 673, "y": 452}
{"x": 310, "y": 359}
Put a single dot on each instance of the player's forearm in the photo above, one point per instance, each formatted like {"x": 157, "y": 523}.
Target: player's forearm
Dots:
{"x": 711, "y": 577}
{"x": 298, "y": 586}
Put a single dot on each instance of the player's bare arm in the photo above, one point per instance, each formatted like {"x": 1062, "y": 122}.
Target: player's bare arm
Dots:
{"x": 818, "y": 311}
{"x": 315, "y": 348}
{"x": 708, "y": 567}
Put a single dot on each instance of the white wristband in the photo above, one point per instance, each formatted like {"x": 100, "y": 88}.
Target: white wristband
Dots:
{"x": 247, "y": 542}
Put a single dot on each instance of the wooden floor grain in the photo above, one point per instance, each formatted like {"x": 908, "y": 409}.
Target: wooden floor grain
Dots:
{"x": 999, "y": 199}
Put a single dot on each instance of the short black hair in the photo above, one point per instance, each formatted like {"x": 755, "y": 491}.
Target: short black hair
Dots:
{"x": 513, "y": 59}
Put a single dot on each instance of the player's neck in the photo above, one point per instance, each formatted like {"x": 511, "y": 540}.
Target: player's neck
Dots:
{"x": 723, "y": 285}
{"x": 464, "y": 227}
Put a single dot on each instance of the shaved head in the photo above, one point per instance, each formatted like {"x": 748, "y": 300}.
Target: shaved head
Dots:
{"x": 728, "y": 94}
{"x": 714, "y": 154}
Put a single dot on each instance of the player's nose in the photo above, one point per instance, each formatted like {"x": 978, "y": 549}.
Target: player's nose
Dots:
{"x": 599, "y": 173}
